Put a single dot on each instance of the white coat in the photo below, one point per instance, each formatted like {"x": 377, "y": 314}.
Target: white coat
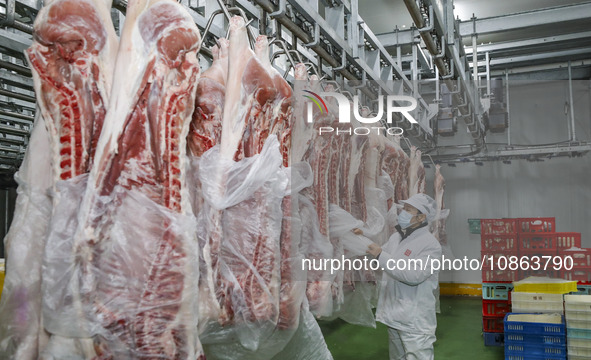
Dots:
{"x": 406, "y": 301}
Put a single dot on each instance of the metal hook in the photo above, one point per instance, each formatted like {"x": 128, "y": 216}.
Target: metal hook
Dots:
{"x": 343, "y": 63}
{"x": 282, "y": 44}
{"x": 406, "y": 140}
{"x": 451, "y": 74}
{"x": 430, "y": 158}
{"x": 316, "y": 40}
{"x": 442, "y": 53}
{"x": 227, "y": 12}
{"x": 280, "y": 12}
{"x": 363, "y": 82}
{"x": 337, "y": 87}
{"x": 9, "y": 16}
{"x": 431, "y": 22}
{"x": 348, "y": 94}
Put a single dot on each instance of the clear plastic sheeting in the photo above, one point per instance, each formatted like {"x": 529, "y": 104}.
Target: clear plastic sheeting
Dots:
{"x": 308, "y": 342}
{"x": 21, "y": 326}
{"x": 147, "y": 295}
{"x": 134, "y": 293}
{"x": 62, "y": 309}
{"x": 242, "y": 217}
{"x": 21, "y": 322}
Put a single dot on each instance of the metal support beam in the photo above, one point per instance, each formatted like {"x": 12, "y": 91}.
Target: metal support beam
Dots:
{"x": 555, "y": 55}
{"x": 13, "y": 95}
{"x": 31, "y": 4}
{"x": 13, "y": 41}
{"x": 545, "y": 67}
{"x": 550, "y": 41}
{"x": 403, "y": 37}
{"x": 16, "y": 80}
{"x": 16, "y": 68}
{"x": 528, "y": 19}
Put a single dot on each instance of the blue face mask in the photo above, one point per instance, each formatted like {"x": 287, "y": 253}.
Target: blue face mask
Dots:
{"x": 404, "y": 219}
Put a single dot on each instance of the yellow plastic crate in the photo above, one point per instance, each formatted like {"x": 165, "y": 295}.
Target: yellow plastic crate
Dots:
{"x": 534, "y": 284}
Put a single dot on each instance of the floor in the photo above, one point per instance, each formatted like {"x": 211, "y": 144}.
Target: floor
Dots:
{"x": 459, "y": 335}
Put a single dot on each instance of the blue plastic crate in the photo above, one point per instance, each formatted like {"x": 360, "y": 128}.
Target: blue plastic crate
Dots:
{"x": 528, "y": 349}
{"x": 533, "y": 357}
{"x": 534, "y": 328}
{"x": 496, "y": 291}
{"x": 518, "y": 337}
{"x": 582, "y": 290}
{"x": 493, "y": 339}
{"x": 579, "y": 333}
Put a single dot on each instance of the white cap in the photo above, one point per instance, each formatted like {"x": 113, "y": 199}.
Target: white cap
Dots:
{"x": 424, "y": 203}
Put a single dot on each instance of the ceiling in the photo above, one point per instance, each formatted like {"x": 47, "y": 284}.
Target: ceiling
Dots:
{"x": 383, "y": 15}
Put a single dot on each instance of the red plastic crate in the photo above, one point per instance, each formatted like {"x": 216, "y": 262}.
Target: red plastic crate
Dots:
{"x": 581, "y": 257}
{"x": 580, "y": 275}
{"x": 496, "y": 275}
{"x": 538, "y": 252}
{"x": 485, "y": 255}
{"x": 549, "y": 272}
{"x": 498, "y": 226}
{"x": 498, "y": 242}
{"x": 567, "y": 240}
{"x": 493, "y": 323}
{"x": 495, "y": 307}
{"x": 534, "y": 225}
{"x": 537, "y": 241}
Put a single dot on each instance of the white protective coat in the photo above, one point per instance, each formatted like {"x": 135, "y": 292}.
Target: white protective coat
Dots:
{"x": 406, "y": 301}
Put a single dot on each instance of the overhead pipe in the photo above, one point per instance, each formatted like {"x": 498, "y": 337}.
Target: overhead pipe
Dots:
{"x": 573, "y": 135}
{"x": 508, "y": 109}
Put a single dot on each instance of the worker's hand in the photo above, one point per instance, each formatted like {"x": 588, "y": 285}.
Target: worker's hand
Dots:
{"x": 357, "y": 231}
{"x": 374, "y": 249}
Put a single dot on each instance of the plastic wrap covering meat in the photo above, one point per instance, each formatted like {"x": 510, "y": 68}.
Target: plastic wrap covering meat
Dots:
{"x": 248, "y": 193}
{"x": 385, "y": 184}
{"x": 293, "y": 274}
{"x": 60, "y": 268}
{"x": 20, "y": 310}
{"x": 293, "y": 306}
{"x": 316, "y": 247}
{"x": 145, "y": 303}
{"x": 21, "y": 325}
{"x": 308, "y": 342}
{"x": 356, "y": 289}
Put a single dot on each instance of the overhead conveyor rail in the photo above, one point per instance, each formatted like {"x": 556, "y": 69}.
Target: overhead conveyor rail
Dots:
{"x": 339, "y": 44}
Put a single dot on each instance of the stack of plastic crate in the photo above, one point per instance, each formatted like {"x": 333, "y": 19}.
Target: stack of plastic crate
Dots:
{"x": 524, "y": 302}
{"x": 498, "y": 238}
{"x": 541, "y": 295}
{"x": 537, "y": 238}
{"x": 581, "y": 261}
{"x": 578, "y": 323}
{"x": 535, "y": 336}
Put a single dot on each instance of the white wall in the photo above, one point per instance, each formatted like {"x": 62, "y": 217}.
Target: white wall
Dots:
{"x": 558, "y": 187}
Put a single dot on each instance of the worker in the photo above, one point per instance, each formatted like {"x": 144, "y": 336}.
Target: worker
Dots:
{"x": 406, "y": 303}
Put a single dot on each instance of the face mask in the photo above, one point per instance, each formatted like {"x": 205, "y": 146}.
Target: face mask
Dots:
{"x": 404, "y": 219}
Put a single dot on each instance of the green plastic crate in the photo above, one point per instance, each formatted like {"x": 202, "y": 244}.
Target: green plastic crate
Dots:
{"x": 474, "y": 226}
